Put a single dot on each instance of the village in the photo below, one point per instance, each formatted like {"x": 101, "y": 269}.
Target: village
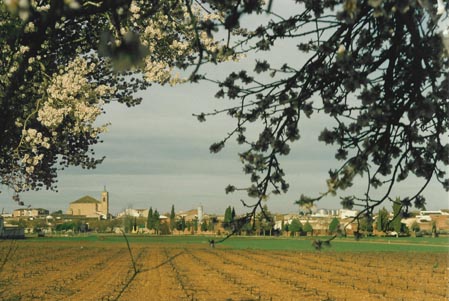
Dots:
{"x": 89, "y": 215}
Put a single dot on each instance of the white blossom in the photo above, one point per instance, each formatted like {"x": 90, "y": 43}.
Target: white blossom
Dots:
{"x": 69, "y": 96}
{"x": 30, "y": 27}
{"x": 73, "y": 4}
{"x": 24, "y": 49}
{"x": 181, "y": 39}
{"x": 341, "y": 49}
{"x": 43, "y": 8}
{"x": 441, "y": 8}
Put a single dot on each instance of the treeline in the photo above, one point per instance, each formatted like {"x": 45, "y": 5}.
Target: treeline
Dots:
{"x": 178, "y": 223}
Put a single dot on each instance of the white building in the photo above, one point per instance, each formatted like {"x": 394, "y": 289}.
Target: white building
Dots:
{"x": 346, "y": 213}
{"x": 134, "y": 212}
{"x": 200, "y": 214}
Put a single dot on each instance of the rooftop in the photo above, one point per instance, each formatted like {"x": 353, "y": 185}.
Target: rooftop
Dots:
{"x": 85, "y": 200}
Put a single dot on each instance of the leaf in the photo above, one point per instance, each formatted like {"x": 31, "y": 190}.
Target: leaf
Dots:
{"x": 261, "y": 66}
{"x": 229, "y": 189}
{"x": 216, "y": 147}
{"x": 201, "y": 117}
{"x": 347, "y": 202}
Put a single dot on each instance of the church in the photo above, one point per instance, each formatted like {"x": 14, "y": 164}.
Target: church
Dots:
{"x": 90, "y": 207}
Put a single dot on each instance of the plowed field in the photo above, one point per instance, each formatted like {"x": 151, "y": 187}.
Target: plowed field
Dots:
{"x": 101, "y": 271}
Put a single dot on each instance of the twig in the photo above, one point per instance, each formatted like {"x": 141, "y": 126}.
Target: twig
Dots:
{"x": 130, "y": 254}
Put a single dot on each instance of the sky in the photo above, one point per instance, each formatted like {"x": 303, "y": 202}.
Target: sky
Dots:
{"x": 157, "y": 154}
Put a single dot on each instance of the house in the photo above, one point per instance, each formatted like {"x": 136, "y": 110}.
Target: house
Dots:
{"x": 30, "y": 212}
{"x": 285, "y": 219}
{"x": 90, "y": 207}
{"x": 346, "y": 213}
{"x": 189, "y": 215}
{"x": 427, "y": 216}
{"x": 134, "y": 213}
{"x": 5, "y": 214}
{"x": 11, "y": 232}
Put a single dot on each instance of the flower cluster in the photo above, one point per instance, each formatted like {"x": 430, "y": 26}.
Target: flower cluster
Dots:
{"x": 71, "y": 95}
{"x": 34, "y": 140}
{"x": 441, "y": 7}
{"x": 172, "y": 41}
{"x": 71, "y": 102}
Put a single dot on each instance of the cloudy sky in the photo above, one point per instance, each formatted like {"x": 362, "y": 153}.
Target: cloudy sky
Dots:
{"x": 157, "y": 154}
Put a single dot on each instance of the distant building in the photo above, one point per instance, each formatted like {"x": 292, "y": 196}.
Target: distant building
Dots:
{"x": 30, "y": 212}
{"x": 346, "y": 213}
{"x": 200, "y": 214}
{"x": 426, "y": 216}
{"x": 5, "y": 214}
{"x": 11, "y": 232}
{"x": 321, "y": 213}
{"x": 134, "y": 212}
{"x": 90, "y": 207}
{"x": 189, "y": 215}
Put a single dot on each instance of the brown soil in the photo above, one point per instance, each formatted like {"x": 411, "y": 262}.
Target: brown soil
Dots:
{"x": 95, "y": 271}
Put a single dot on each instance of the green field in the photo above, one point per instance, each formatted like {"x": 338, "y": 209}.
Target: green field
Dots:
{"x": 375, "y": 244}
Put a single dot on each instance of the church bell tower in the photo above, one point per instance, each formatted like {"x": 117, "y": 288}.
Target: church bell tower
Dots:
{"x": 105, "y": 202}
